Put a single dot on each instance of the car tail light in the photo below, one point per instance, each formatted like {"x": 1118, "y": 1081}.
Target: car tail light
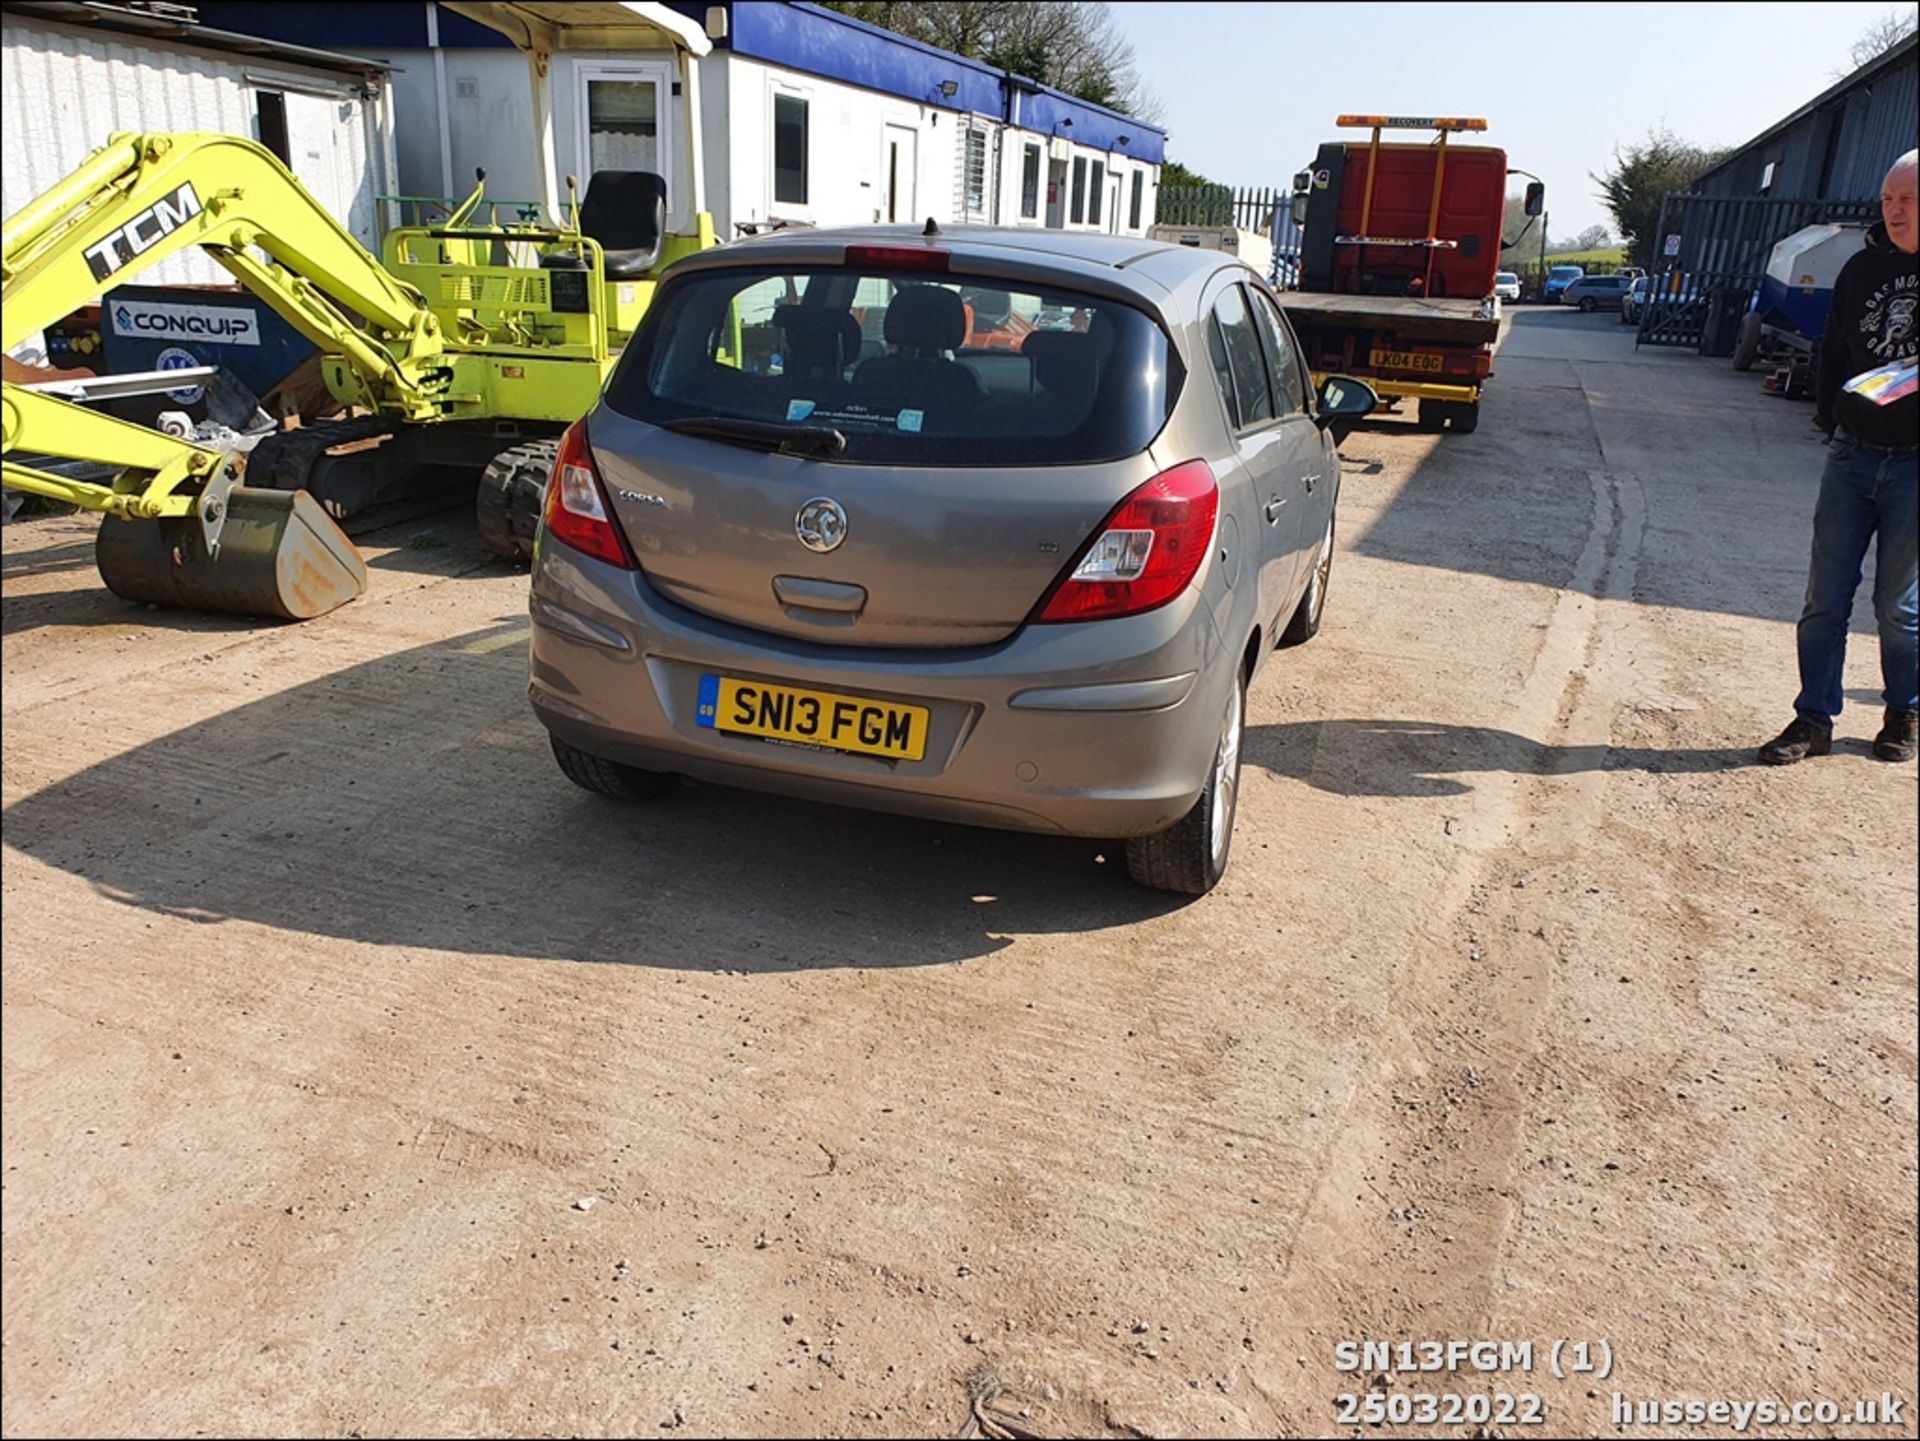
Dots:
{"x": 577, "y": 510}
{"x": 1147, "y": 553}
{"x": 897, "y": 257}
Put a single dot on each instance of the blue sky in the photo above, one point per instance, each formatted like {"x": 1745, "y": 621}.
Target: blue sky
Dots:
{"x": 1250, "y": 90}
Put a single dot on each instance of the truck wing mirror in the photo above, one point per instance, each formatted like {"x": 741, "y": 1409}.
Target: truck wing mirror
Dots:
{"x": 1536, "y": 198}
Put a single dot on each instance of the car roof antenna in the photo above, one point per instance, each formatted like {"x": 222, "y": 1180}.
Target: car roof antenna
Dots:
{"x": 933, "y": 227}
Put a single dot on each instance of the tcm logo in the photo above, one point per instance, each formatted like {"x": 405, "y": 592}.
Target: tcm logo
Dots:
{"x": 118, "y": 248}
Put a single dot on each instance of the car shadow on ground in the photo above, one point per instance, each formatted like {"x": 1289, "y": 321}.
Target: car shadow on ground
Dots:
{"x": 1424, "y": 758}
{"x": 412, "y": 802}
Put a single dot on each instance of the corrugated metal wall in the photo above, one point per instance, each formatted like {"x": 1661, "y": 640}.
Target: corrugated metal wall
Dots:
{"x": 1878, "y": 130}
{"x": 63, "y": 91}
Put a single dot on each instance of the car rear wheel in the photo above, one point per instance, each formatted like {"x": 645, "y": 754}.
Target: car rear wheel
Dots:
{"x": 1191, "y": 856}
{"x": 608, "y": 778}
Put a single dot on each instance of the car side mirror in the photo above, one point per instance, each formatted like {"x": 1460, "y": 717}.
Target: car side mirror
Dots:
{"x": 1344, "y": 402}
{"x": 1536, "y": 198}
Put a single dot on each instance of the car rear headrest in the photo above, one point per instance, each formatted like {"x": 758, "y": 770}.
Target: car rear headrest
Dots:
{"x": 926, "y": 318}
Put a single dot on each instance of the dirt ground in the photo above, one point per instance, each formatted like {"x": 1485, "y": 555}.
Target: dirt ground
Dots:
{"x": 364, "y": 1077}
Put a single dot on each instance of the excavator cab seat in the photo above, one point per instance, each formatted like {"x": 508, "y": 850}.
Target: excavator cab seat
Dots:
{"x": 626, "y": 211}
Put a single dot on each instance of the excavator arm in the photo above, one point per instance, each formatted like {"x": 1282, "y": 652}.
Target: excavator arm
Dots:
{"x": 132, "y": 203}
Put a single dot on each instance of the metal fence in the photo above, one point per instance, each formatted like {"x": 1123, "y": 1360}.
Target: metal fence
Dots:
{"x": 1712, "y": 253}
{"x": 1267, "y": 212}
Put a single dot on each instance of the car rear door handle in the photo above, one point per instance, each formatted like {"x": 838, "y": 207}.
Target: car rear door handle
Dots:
{"x": 1312, "y": 481}
{"x": 1274, "y": 507}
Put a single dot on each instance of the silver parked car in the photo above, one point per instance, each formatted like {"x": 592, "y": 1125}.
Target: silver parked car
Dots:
{"x": 1635, "y": 299}
{"x": 987, "y": 526}
{"x": 1597, "y": 292}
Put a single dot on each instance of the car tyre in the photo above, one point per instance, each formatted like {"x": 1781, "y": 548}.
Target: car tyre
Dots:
{"x": 609, "y": 778}
{"x": 1191, "y": 856}
{"x": 1588, "y": 305}
{"x": 1305, "y": 624}
{"x": 1746, "y": 349}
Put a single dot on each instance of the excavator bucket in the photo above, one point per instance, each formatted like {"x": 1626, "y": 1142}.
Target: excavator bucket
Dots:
{"x": 279, "y": 554}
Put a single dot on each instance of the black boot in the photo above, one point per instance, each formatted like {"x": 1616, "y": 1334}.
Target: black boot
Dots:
{"x": 1796, "y": 743}
{"x": 1899, "y": 738}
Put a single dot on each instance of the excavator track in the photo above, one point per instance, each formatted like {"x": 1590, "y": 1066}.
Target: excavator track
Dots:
{"x": 363, "y": 487}
{"x": 513, "y": 490}
{"x": 287, "y": 461}
{"x": 370, "y": 472}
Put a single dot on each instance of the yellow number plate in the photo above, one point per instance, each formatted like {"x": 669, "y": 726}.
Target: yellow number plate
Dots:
{"x": 1418, "y": 361}
{"x": 813, "y": 717}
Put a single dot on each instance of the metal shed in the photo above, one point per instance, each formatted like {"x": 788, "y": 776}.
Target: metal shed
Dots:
{"x": 71, "y": 74}
{"x": 1821, "y": 164}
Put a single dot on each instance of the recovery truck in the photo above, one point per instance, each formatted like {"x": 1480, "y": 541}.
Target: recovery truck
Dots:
{"x": 467, "y": 351}
{"x": 1399, "y": 248}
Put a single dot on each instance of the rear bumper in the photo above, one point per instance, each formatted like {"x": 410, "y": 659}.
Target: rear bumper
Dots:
{"x": 1101, "y": 730}
{"x": 1410, "y": 389}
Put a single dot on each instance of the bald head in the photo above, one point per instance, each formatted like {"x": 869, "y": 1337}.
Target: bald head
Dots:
{"x": 1899, "y": 204}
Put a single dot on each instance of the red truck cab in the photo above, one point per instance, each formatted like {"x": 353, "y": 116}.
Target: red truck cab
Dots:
{"x": 1399, "y": 248}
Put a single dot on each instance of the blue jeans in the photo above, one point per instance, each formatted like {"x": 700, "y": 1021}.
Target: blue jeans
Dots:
{"x": 1867, "y": 489}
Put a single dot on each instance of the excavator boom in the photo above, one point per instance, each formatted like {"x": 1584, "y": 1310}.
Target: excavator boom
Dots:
{"x": 178, "y": 528}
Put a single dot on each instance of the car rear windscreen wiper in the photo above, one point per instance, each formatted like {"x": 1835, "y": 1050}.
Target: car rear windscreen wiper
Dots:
{"x": 816, "y": 441}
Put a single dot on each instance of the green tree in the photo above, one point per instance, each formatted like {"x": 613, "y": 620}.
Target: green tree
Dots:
{"x": 1175, "y": 176}
{"x": 1519, "y": 232}
{"x": 1641, "y": 177}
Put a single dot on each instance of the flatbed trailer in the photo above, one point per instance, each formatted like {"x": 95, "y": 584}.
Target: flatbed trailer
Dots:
{"x": 1457, "y": 322}
{"x": 1436, "y": 352}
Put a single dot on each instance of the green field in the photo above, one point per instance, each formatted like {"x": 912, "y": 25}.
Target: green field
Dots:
{"x": 1612, "y": 255}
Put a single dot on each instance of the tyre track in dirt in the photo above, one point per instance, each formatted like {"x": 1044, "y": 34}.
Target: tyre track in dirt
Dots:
{"x": 1403, "y": 1235}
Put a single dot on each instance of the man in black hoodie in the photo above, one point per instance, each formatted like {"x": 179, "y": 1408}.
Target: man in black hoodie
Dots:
{"x": 1868, "y": 488}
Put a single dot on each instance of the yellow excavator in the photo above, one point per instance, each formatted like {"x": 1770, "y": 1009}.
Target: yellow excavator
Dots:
{"x": 466, "y": 349}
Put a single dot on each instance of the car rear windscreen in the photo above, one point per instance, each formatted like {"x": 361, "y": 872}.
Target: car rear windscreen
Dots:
{"x": 912, "y": 370}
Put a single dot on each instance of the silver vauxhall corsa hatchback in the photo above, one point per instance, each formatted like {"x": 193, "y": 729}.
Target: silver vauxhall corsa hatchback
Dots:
{"x": 989, "y": 526}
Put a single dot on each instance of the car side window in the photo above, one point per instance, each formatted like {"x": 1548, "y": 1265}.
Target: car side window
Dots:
{"x": 1222, "y": 370}
{"x": 1244, "y": 357}
{"x": 1289, "y": 382}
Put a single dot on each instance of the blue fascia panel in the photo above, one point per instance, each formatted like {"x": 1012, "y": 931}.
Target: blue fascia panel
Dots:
{"x": 1094, "y": 126}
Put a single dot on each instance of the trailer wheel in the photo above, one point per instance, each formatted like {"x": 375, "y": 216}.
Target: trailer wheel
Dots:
{"x": 1746, "y": 349}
